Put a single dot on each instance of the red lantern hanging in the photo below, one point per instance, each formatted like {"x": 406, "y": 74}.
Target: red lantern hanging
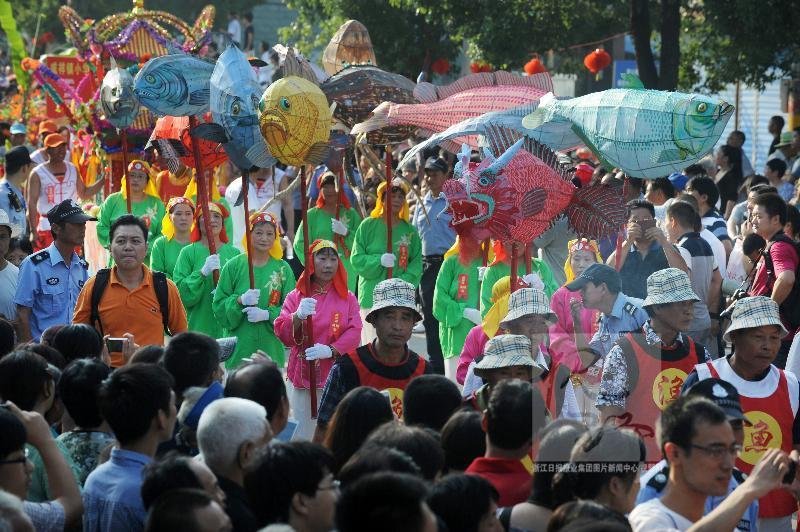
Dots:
{"x": 597, "y": 61}
{"x": 441, "y": 66}
{"x": 480, "y": 66}
{"x": 474, "y": 67}
{"x": 534, "y": 66}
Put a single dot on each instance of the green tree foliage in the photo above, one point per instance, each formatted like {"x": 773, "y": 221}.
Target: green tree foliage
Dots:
{"x": 402, "y": 36}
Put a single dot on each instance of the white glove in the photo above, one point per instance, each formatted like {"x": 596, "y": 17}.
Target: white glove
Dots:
{"x": 482, "y": 272}
{"x": 338, "y": 227}
{"x": 255, "y": 314}
{"x": 473, "y": 315}
{"x": 318, "y": 352}
{"x": 306, "y": 308}
{"x": 211, "y": 264}
{"x": 250, "y": 297}
{"x": 533, "y": 281}
{"x": 388, "y": 260}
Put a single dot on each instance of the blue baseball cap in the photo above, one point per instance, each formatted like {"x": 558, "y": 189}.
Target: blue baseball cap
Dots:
{"x": 18, "y": 128}
{"x": 678, "y": 180}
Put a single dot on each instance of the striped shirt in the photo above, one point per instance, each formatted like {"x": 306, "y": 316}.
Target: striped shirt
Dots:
{"x": 714, "y": 222}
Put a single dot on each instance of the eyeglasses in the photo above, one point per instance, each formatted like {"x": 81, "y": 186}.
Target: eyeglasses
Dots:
{"x": 22, "y": 460}
{"x": 718, "y": 451}
{"x": 335, "y": 484}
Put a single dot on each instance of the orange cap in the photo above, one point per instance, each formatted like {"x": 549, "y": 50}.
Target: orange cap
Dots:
{"x": 47, "y": 126}
{"x": 54, "y": 140}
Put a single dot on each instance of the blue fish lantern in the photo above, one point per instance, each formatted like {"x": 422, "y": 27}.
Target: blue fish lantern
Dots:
{"x": 174, "y": 85}
{"x": 235, "y": 93}
{"x": 645, "y": 133}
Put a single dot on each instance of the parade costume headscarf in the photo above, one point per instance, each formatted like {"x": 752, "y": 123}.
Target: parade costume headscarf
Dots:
{"x": 465, "y": 259}
{"x": 198, "y": 213}
{"x": 167, "y": 228}
{"x": 343, "y": 201}
{"x": 501, "y": 292}
{"x": 339, "y": 279}
{"x": 191, "y": 189}
{"x": 580, "y": 244}
{"x": 137, "y": 165}
{"x": 500, "y": 253}
{"x": 377, "y": 212}
{"x": 276, "y": 251}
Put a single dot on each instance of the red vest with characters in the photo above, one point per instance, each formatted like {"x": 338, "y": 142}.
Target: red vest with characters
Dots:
{"x": 772, "y": 419}
{"x": 382, "y": 377}
{"x": 655, "y": 375}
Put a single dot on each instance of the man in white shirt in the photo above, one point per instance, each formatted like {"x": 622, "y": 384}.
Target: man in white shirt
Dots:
{"x": 234, "y": 28}
{"x": 700, "y": 447}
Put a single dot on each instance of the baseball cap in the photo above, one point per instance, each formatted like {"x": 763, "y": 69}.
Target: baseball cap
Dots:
{"x": 678, "y": 180}
{"x": 722, "y": 393}
{"x": 18, "y": 128}
{"x": 596, "y": 274}
{"x": 47, "y": 126}
{"x": 54, "y": 140}
{"x": 436, "y": 163}
{"x": 68, "y": 211}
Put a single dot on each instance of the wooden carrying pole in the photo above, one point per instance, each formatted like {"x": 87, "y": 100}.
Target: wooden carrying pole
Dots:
{"x": 203, "y": 197}
{"x": 308, "y": 332}
{"x": 387, "y": 208}
{"x": 123, "y": 134}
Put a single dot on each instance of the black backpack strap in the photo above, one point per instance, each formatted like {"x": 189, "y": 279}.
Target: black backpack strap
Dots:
{"x": 504, "y": 516}
{"x": 162, "y": 294}
{"x": 100, "y": 283}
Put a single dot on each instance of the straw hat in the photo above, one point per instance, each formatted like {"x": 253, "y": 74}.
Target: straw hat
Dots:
{"x": 393, "y": 292}
{"x": 752, "y": 312}
{"x": 505, "y": 351}
{"x": 669, "y": 285}
{"x": 527, "y": 301}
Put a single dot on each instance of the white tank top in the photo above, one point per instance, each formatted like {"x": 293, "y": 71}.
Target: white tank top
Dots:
{"x": 53, "y": 191}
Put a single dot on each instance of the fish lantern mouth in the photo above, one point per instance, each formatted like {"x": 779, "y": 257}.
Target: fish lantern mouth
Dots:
{"x": 465, "y": 210}
{"x": 273, "y": 124}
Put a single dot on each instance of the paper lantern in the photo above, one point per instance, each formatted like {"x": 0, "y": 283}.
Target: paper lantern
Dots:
{"x": 441, "y": 66}
{"x": 534, "y": 66}
{"x": 350, "y": 45}
{"x": 597, "y": 60}
{"x": 477, "y": 67}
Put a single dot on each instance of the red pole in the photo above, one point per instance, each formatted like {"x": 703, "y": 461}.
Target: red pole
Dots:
{"x": 308, "y": 333}
{"x": 528, "y": 259}
{"x": 514, "y": 265}
{"x": 123, "y": 133}
{"x": 618, "y": 251}
{"x": 203, "y": 197}
{"x": 387, "y": 208}
{"x": 247, "y": 232}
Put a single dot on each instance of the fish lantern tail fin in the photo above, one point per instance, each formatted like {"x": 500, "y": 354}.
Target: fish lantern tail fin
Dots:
{"x": 542, "y": 114}
{"x": 596, "y": 211}
{"x": 378, "y": 120}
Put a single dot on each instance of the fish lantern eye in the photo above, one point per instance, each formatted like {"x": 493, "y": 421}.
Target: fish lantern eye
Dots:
{"x": 701, "y": 107}
{"x": 150, "y": 78}
{"x": 236, "y": 108}
{"x": 114, "y": 91}
{"x": 285, "y": 104}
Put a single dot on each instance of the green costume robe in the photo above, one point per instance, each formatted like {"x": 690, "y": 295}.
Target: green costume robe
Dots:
{"x": 196, "y": 289}
{"x": 457, "y": 288}
{"x": 164, "y": 255}
{"x": 319, "y": 226}
{"x": 501, "y": 269}
{"x": 368, "y": 246}
{"x": 150, "y": 208}
{"x": 275, "y": 280}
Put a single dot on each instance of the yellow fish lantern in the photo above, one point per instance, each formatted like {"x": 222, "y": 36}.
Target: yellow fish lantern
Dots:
{"x": 295, "y": 120}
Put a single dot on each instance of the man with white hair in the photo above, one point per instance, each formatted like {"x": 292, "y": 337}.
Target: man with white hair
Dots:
{"x": 231, "y": 434}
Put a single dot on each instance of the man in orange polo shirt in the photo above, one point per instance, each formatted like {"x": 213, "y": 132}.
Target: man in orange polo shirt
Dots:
{"x": 129, "y": 307}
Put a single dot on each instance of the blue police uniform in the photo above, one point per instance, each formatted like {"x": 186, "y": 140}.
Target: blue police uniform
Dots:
{"x": 50, "y": 288}
{"x": 12, "y": 200}
{"x": 626, "y": 315}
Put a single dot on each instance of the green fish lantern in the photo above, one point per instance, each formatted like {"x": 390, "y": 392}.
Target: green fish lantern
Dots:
{"x": 646, "y": 133}
{"x": 295, "y": 121}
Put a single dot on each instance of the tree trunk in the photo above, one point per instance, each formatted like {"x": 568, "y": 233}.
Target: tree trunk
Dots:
{"x": 670, "y": 44}
{"x": 641, "y": 30}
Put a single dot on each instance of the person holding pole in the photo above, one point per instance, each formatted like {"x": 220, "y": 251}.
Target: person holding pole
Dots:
{"x": 336, "y": 328}
{"x": 370, "y": 258}
{"x": 247, "y": 312}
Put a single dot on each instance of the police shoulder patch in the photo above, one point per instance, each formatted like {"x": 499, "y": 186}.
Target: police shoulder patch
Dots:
{"x": 630, "y": 308}
{"x": 84, "y": 263}
{"x": 43, "y": 255}
{"x": 659, "y": 480}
